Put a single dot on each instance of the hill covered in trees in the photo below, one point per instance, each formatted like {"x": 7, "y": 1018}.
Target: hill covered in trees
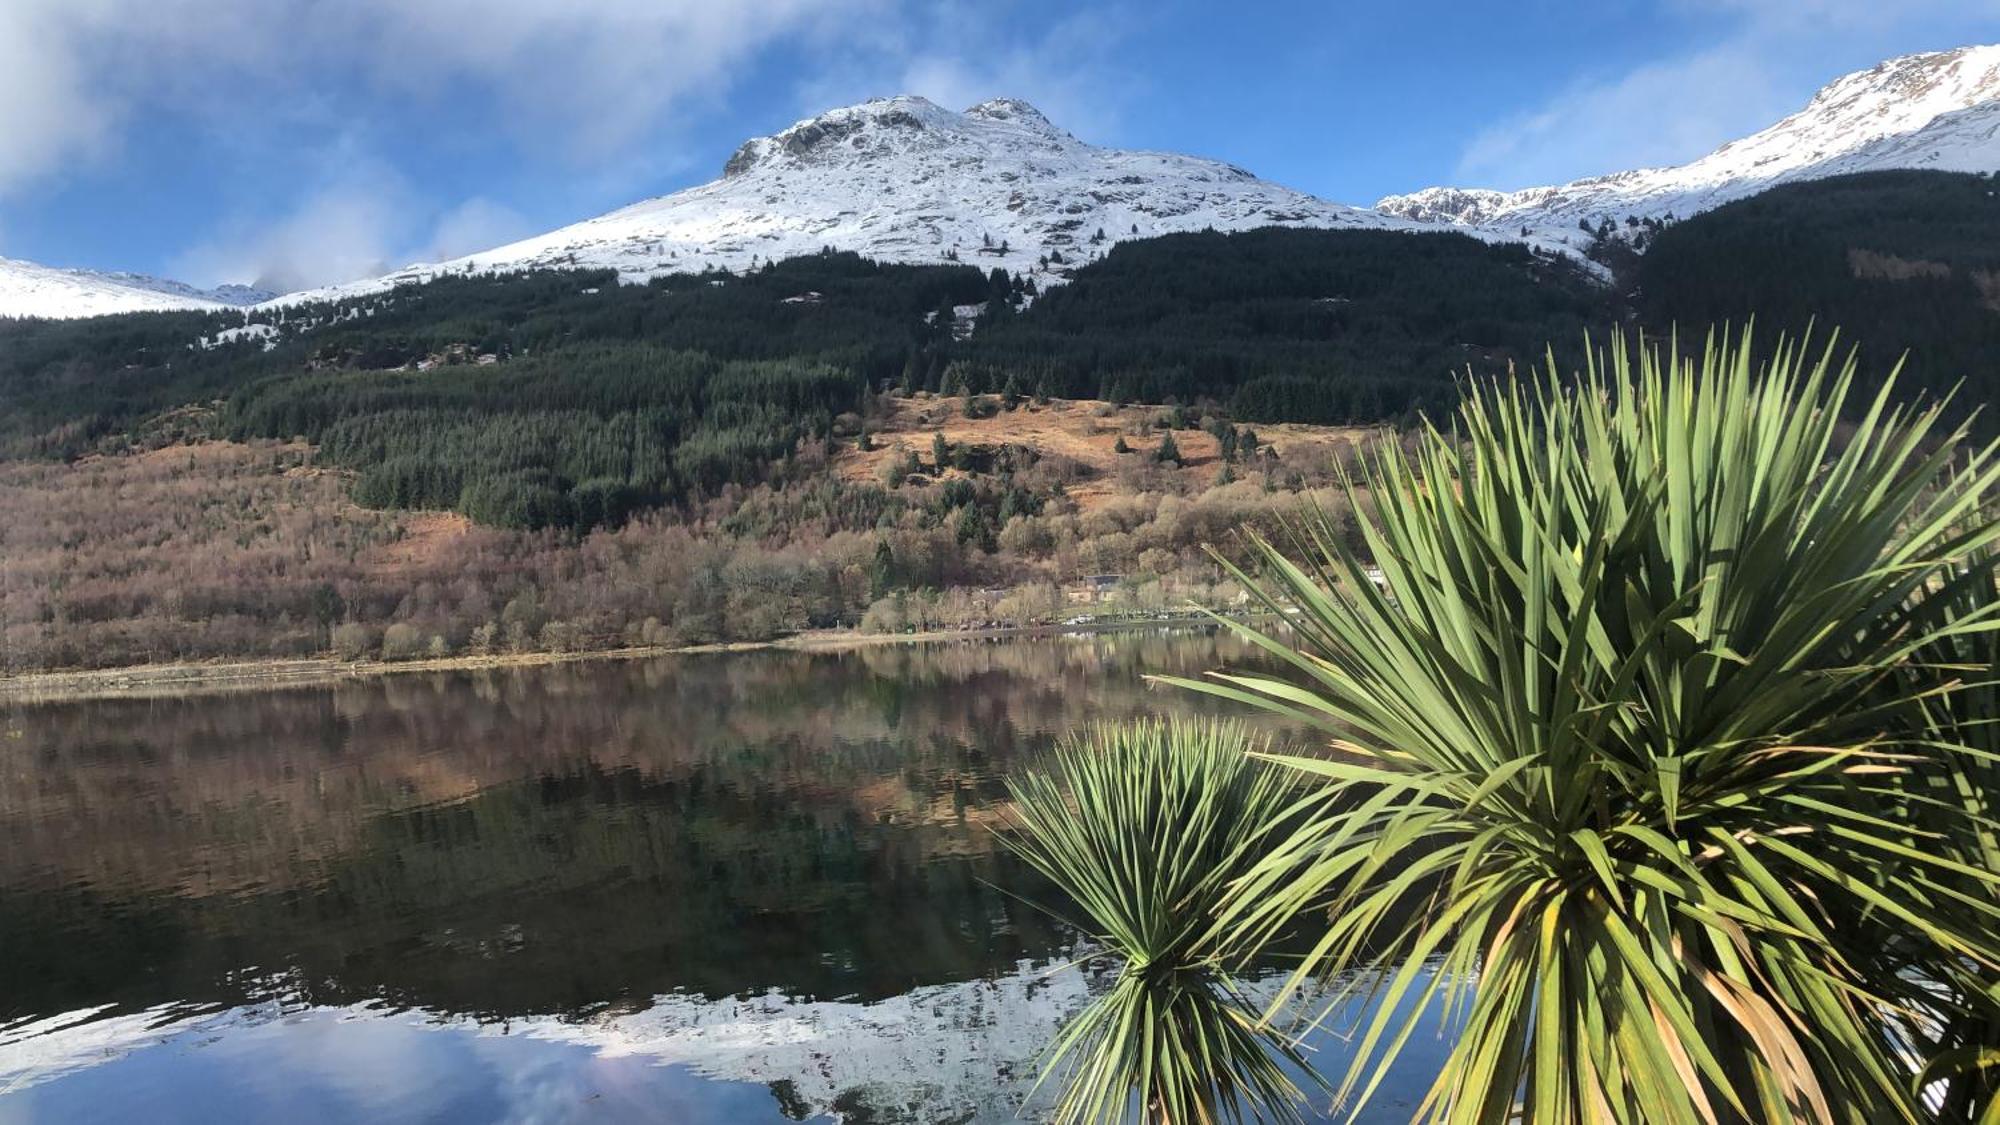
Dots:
{"x": 566, "y": 399}
{"x": 1293, "y": 325}
{"x": 828, "y": 441}
{"x": 1899, "y": 262}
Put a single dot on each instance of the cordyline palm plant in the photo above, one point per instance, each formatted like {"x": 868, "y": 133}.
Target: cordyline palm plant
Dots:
{"x": 1958, "y": 805}
{"x": 1636, "y": 782}
{"x": 1145, "y": 827}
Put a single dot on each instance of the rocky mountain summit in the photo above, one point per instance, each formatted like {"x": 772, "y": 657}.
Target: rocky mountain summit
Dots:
{"x": 903, "y": 179}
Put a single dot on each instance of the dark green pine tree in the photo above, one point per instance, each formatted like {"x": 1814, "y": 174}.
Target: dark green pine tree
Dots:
{"x": 972, "y": 529}
{"x": 882, "y": 570}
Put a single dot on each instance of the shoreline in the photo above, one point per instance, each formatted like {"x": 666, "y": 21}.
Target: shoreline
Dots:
{"x": 143, "y": 681}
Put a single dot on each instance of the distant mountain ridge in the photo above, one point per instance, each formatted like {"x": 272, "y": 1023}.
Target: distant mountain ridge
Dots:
{"x": 1938, "y": 111}
{"x": 999, "y": 185}
{"x": 30, "y": 289}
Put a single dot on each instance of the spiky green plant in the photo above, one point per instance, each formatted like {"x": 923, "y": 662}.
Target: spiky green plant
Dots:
{"x": 1618, "y": 755}
{"x": 1957, "y": 809}
{"x": 1144, "y": 827}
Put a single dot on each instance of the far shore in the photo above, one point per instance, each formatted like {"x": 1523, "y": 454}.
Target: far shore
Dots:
{"x": 142, "y": 681}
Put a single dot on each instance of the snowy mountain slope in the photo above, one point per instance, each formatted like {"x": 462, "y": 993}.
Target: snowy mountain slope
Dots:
{"x": 28, "y": 289}
{"x": 1937, "y": 111}
{"x": 904, "y": 180}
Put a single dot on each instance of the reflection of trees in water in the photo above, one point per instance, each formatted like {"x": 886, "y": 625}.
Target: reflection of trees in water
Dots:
{"x": 548, "y": 839}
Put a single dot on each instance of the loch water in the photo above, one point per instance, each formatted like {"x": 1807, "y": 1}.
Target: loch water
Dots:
{"x": 742, "y": 887}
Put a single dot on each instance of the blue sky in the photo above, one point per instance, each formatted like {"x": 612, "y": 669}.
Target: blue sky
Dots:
{"x": 310, "y": 141}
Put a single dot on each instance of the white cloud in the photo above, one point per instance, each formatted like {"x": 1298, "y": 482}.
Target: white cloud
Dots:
{"x": 349, "y": 229}
{"x": 1660, "y": 114}
{"x": 583, "y": 77}
{"x": 47, "y": 116}
{"x": 581, "y": 81}
{"x": 578, "y": 79}
{"x": 364, "y": 220}
{"x": 1771, "y": 55}
{"x": 474, "y": 225}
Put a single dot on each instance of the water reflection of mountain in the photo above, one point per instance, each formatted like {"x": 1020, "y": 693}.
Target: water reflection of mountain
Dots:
{"x": 960, "y": 1052}
{"x": 553, "y": 841}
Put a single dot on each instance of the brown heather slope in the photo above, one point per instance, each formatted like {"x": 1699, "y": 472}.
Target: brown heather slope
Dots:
{"x": 220, "y": 551}
{"x": 1085, "y": 431}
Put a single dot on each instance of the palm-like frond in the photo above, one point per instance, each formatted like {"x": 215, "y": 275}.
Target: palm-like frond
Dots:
{"x": 1957, "y": 807}
{"x": 1617, "y": 725}
{"x": 1145, "y": 827}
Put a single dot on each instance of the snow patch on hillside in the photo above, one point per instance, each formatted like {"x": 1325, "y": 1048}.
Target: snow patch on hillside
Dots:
{"x": 28, "y": 289}
{"x": 905, "y": 180}
{"x": 1937, "y": 111}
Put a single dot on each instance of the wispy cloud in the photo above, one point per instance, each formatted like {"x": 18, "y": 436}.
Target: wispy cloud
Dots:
{"x": 594, "y": 84}
{"x": 353, "y": 227}
{"x": 1676, "y": 108}
{"x": 47, "y": 113}
{"x": 364, "y": 219}
{"x": 578, "y": 78}
{"x": 476, "y": 224}
{"x": 1659, "y": 114}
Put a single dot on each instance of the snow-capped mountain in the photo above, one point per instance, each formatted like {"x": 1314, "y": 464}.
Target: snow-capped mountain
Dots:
{"x": 902, "y": 179}
{"x": 28, "y": 289}
{"x": 1937, "y": 111}
{"x": 905, "y": 180}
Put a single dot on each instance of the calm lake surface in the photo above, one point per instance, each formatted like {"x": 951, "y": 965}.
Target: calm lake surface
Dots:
{"x": 756, "y": 887}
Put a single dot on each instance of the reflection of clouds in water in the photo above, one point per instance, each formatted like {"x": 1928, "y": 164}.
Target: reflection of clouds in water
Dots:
{"x": 963, "y": 1051}
{"x": 390, "y": 1070}
{"x": 540, "y": 841}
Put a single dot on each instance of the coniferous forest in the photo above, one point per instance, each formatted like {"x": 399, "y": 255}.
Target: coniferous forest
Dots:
{"x": 567, "y": 399}
{"x": 559, "y": 403}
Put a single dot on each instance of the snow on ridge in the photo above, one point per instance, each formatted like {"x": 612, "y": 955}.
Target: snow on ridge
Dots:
{"x": 962, "y": 1051}
{"x": 904, "y": 180}
{"x": 1938, "y": 111}
{"x": 28, "y": 289}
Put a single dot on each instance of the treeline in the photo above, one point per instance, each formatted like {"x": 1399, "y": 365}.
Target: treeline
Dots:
{"x": 1290, "y": 325}
{"x": 580, "y": 436}
{"x": 1900, "y": 262}
{"x": 569, "y": 400}
{"x": 70, "y": 385}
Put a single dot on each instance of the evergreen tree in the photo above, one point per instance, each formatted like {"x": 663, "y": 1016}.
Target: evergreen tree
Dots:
{"x": 1168, "y": 452}
{"x": 972, "y": 530}
{"x": 882, "y": 570}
